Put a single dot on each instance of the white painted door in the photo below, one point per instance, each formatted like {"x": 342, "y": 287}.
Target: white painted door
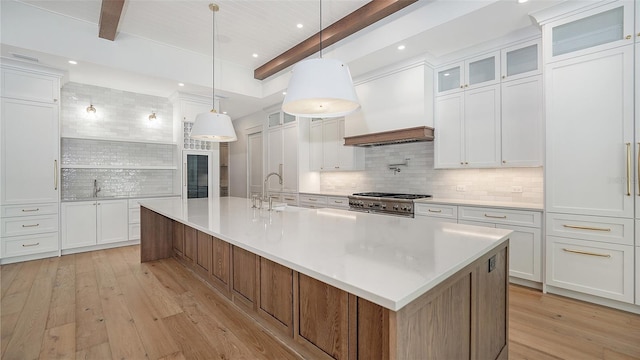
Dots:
{"x": 448, "y": 148}
{"x": 112, "y": 221}
{"x": 274, "y": 157}
{"x": 78, "y": 224}
{"x": 30, "y": 148}
{"x": 254, "y": 159}
{"x": 637, "y": 125}
{"x": 482, "y": 126}
{"x": 290, "y": 158}
{"x": 315, "y": 145}
{"x": 522, "y": 122}
{"x": 589, "y": 134}
{"x": 330, "y": 145}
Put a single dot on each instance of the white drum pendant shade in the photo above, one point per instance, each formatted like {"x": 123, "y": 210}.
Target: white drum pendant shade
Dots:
{"x": 210, "y": 123}
{"x": 320, "y": 88}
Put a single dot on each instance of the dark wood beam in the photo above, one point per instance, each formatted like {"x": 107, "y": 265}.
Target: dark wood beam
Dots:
{"x": 366, "y": 15}
{"x": 109, "y": 18}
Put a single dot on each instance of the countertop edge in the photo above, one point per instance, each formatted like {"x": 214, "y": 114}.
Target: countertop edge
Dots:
{"x": 482, "y": 203}
{"x": 107, "y": 198}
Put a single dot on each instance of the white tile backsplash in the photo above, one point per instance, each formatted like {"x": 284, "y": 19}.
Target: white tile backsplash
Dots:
{"x": 419, "y": 176}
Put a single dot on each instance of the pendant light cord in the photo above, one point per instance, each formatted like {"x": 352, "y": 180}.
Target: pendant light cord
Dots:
{"x": 320, "y": 29}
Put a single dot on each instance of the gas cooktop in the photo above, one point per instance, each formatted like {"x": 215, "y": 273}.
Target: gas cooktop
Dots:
{"x": 392, "y": 195}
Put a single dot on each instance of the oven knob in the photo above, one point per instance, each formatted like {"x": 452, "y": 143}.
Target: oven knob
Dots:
{"x": 395, "y": 207}
{"x": 383, "y": 206}
{"x": 370, "y": 205}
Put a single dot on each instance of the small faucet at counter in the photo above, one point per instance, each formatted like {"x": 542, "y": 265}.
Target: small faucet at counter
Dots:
{"x": 265, "y": 192}
{"x": 96, "y": 189}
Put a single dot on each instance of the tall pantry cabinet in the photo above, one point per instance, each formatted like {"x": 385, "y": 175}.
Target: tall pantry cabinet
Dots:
{"x": 29, "y": 152}
{"x": 592, "y": 152}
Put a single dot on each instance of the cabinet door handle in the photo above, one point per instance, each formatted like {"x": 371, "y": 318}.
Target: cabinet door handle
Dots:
{"x": 184, "y": 176}
{"x": 585, "y": 228}
{"x": 312, "y": 199}
{"x": 495, "y": 217}
{"x": 55, "y": 174}
{"x": 337, "y": 201}
{"x": 28, "y": 226}
{"x": 30, "y": 210}
{"x": 628, "y": 37}
{"x": 436, "y": 211}
{"x": 290, "y": 199}
{"x": 27, "y": 245}
{"x": 585, "y": 253}
{"x": 628, "y": 169}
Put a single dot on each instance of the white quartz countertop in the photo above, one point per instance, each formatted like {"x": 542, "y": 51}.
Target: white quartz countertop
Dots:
{"x": 387, "y": 260}
{"x": 327, "y": 193}
{"x": 483, "y": 203}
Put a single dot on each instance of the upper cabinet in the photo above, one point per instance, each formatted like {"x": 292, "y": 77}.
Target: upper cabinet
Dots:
{"x": 327, "y": 151}
{"x": 475, "y": 72}
{"x": 584, "y": 32}
{"x": 280, "y": 118}
{"x": 521, "y": 60}
{"x": 26, "y": 84}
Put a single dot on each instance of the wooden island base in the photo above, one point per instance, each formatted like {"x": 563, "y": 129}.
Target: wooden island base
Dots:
{"x": 464, "y": 317}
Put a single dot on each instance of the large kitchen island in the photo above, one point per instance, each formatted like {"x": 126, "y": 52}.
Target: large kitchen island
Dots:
{"x": 335, "y": 284}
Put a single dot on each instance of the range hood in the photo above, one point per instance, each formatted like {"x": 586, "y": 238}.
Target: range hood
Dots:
{"x": 421, "y": 133}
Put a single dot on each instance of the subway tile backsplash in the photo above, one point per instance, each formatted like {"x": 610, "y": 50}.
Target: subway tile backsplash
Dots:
{"x": 419, "y": 176}
{"x": 115, "y": 153}
{"x": 78, "y": 183}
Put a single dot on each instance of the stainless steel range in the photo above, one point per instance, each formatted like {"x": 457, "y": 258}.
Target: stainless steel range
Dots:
{"x": 384, "y": 203}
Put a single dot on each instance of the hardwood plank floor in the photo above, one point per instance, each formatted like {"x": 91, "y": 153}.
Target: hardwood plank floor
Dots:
{"x": 106, "y": 304}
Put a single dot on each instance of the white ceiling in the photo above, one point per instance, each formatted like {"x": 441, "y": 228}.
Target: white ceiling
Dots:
{"x": 268, "y": 28}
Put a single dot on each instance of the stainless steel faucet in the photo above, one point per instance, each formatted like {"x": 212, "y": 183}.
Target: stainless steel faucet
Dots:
{"x": 265, "y": 192}
{"x": 96, "y": 189}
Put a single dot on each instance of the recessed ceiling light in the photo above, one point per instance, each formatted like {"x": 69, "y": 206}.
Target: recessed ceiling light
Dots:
{"x": 446, "y": 74}
{"x": 73, "y": 62}
{"x": 224, "y": 112}
{"x": 299, "y": 26}
{"x": 284, "y": 93}
{"x": 522, "y": 1}
{"x": 401, "y": 47}
{"x": 180, "y": 84}
{"x": 255, "y": 55}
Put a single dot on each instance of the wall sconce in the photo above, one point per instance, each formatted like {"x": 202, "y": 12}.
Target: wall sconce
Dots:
{"x": 152, "y": 116}
{"x": 91, "y": 109}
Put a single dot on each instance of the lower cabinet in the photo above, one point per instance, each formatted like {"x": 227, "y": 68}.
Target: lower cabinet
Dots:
{"x": 243, "y": 286}
{"x": 591, "y": 267}
{"x": 638, "y": 275}
{"x": 220, "y": 264}
{"x": 275, "y": 302}
{"x": 87, "y": 223}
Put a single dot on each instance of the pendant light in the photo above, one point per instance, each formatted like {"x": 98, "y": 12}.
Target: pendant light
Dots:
{"x": 212, "y": 126}
{"x": 320, "y": 87}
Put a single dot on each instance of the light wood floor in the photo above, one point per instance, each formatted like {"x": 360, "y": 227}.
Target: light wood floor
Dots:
{"x": 105, "y": 304}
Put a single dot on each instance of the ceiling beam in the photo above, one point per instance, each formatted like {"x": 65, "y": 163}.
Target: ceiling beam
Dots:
{"x": 366, "y": 15}
{"x": 110, "y": 13}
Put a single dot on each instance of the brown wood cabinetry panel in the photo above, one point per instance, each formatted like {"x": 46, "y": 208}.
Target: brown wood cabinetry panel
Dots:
{"x": 220, "y": 260}
{"x": 324, "y": 316}
{"x": 190, "y": 243}
{"x": 276, "y": 292}
{"x": 373, "y": 331}
{"x": 244, "y": 273}
{"x": 492, "y": 307}
{"x": 178, "y": 237}
{"x": 203, "y": 253}
{"x": 156, "y": 236}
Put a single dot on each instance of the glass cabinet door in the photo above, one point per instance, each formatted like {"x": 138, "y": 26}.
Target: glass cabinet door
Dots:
{"x": 288, "y": 118}
{"x": 597, "y": 29}
{"x": 521, "y": 60}
{"x": 197, "y": 176}
{"x": 482, "y": 70}
{"x": 274, "y": 119}
{"x": 450, "y": 79}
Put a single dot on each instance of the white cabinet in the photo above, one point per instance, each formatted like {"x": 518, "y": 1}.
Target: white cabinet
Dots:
{"x": 475, "y": 72}
{"x": 637, "y": 275}
{"x": 29, "y": 161}
{"x": 589, "y": 134}
{"x": 521, "y": 60}
{"x": 591, "y": 267}
{"x": 434, "y": 213}
{"x": 282, "y": 158}
{"x": 585, "y": 32}
{"x": 522, "y": 121}
{"x": 87, "y": 223}
{"x": 525, "y": 244}
{"x": 287, "y": 198}
{"x": 313, "y": 201}
{"x": 327, "y": 151}
{"x": 468, "y": 129}
{"x": 338, "y": 202}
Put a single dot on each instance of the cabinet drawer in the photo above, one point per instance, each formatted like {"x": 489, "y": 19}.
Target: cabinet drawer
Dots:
{"x": 444, "y": 211}
{"x": 316, "y": 200}
{"x": 29, "y": 210}
{"x": 591, "y": 267}
{"x": 289, "y": 199}
{"x": 134, "y": 215}
{"x": 29, "y": 225}
{"x": 595, "y": 228}
{"x": 501, "y": 216}
{"x": 29, "y": 244}
{"x": 134, "y": 231}
{"x": 337, "y": 202}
